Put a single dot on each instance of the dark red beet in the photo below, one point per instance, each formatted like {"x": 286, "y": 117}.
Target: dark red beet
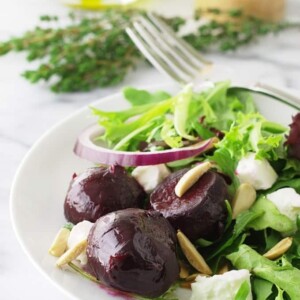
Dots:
{"x": 293, "y": 139}
{"x": 200, "y": 212}
{"x": 98, "y": 191}
{"x": 133, "y": 250}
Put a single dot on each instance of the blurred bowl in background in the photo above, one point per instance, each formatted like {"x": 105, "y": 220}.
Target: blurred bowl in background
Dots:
{"x": 263, "y": 9}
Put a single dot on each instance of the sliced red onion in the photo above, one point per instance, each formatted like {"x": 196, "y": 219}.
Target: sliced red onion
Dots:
{"x": 85, "y": 147}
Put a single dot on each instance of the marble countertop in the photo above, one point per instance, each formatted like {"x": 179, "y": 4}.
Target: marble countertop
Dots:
{"x": 27, "y": 111}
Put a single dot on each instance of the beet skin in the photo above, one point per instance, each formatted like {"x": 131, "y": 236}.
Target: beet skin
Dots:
{"x": 133, "y": 250}
{"x": 98, "y": 191}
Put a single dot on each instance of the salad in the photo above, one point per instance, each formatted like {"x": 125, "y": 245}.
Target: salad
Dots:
{"x": 195, "y": 190}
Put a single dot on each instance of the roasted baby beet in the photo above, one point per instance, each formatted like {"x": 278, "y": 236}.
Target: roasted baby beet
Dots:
{"x": 98, "y": 191}
{"x": 293, "y": 139}
{"x": 200, "y": 212}
{"x": 133, "y": 250}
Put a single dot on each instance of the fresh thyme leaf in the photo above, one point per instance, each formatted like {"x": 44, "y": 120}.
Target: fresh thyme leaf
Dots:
{"x": 95, "y": 51}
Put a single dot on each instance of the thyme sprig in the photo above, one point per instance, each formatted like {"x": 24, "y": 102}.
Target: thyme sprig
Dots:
{"x": 95, "y": 51}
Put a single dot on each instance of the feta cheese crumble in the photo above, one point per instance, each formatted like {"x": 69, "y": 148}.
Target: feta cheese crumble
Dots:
{"x": 78, "y": 233}
{"x": 287, "y": 201}
{"x": 223, "y": 286}
{"x": 150, "y": 176}
{"x": 258, "y": 172}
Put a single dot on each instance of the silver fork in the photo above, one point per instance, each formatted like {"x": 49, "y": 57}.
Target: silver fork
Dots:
{"x": 175, "y": 58}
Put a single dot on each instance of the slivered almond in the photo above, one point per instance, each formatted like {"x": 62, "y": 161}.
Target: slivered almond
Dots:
{"x": 72, "y": 253}
{"x": 244, "y": 198}
{"x": 191, "y": 177}
{"x": 279, "y": 249}
{"x": 60, "y": 243}
{"x": 192, "y": 255}
{"x": 192, "y": 277}
{"x": 184, "y": 272}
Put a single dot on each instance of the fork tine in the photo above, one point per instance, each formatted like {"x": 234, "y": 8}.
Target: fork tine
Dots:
{"x": 159, "y": 51}
{"x": 181, "y": 59}
{"x": 154, "y": 59}
{"x": 180, "y": 43}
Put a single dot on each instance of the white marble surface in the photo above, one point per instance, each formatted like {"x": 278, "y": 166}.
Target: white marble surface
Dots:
{"x": 26, "y": 111}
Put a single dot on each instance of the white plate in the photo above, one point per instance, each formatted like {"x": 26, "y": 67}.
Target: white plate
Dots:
{"x": 42, "y": 180}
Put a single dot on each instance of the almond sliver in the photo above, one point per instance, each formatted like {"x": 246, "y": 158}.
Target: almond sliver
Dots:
{"x": 72, "y": 253}
{"x": 191, "y": 177}
{"x": 60, "y": 243}
{"x": 192, "y": 255}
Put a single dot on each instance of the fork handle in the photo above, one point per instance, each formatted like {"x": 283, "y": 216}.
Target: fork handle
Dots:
{"x": 293, "y": 95}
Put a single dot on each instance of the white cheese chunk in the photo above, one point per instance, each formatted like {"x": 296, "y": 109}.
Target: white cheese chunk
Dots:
{"x": 150, "y": 176}
{"x": 257, "y": 172}
{"x": 78, "y": 233}
{"x": 287, "y": 201}
{"x": 218, "y": 287}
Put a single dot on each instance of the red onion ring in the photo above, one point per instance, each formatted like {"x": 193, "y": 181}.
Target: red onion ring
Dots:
{"x": 87, "y": 149}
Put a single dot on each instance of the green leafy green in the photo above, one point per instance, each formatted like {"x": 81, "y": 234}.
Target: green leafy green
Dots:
{"x": 119, "y": 117}
{"x": 262, "y": 288}
{"x": 69, "y": 226}
{"x": 286, "y": 277}
{"x": 234, "y": 236}
{"x": 243, "y": 292}
{"x": 293, "y": 254}
{"x": 140, "y": 97}
{"x": 115, "y": 133}
{"x": 280, "y": 293}
{"x": 291, "y": 170}
{"x": 223, "y": 159}
{"x": 293, "y": 183}
{"x": 217, "y": 109}
{"x": 181, "y": 112}
{"x": 168, "y": 295}
{"x": 158, "y": 116}
{"x": 170, "y": 136}
{"x": 270, "y": 217}
{"x": 248, "y": 134}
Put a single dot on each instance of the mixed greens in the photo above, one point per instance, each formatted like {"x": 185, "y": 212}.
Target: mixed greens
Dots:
{"x": 158, "y": 121}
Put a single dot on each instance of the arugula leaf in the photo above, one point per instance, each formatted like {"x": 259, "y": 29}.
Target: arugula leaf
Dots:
{"x": 140, "y": 97}
{"x": 293, "y": 254}
{"x": 270, "y": 217}
{"x": 280, "y": 294}
{"x": 291, "y": 170}
{"x": 243, "y": 292}
{"x": 293, "y": 183}
{"x": 231, "y": 237}
{"x": 262, "y": 288}
{"x": 286, "y": 278}
{"x": 223, "y": 158}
